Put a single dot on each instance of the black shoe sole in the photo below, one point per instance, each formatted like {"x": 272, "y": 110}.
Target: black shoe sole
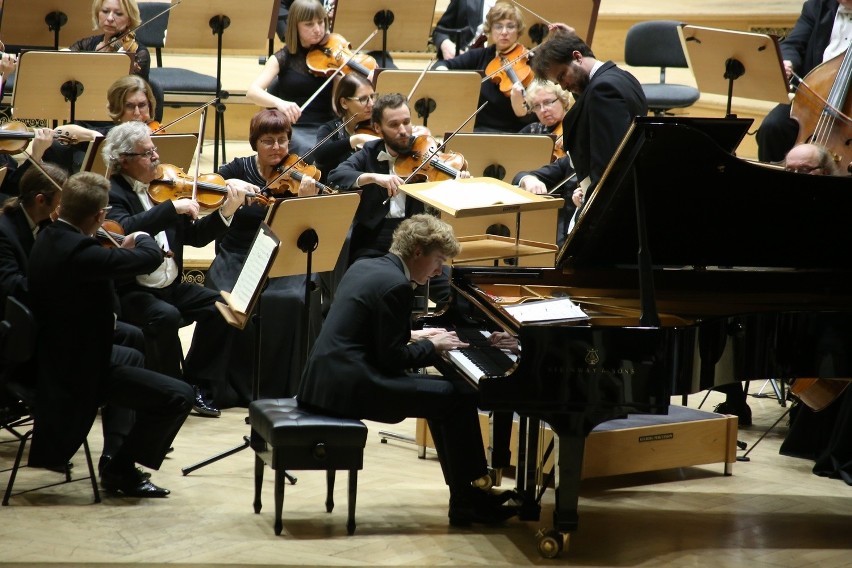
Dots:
{"x": 207, "y": 413}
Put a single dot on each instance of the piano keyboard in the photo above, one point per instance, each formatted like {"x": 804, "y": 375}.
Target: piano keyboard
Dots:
{"x": 481, "y": 359}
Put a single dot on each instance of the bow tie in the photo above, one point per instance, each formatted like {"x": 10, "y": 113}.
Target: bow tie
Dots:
{"x": 140, "y": 188}
{"x": 384, "y": 156}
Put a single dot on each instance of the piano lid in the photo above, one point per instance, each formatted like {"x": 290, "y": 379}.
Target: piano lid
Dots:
{"x": 705, "y": 207}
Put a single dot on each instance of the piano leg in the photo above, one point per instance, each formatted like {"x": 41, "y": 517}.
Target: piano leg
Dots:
{"x": 530, "y": 509}
{"x": 570, "y": 454}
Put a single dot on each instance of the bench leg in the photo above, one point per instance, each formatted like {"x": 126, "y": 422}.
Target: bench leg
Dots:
{"x": 258, "y": 482}
{"x": 329, "y": 496}
{"x": 353, "y": 490}
{"x": 279, "y": 500}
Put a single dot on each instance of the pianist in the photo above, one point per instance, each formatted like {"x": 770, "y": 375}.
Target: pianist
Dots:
{"x": 357, "y": 367}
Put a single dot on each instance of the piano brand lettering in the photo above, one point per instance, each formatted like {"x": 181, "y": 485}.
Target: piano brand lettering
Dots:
{"x": 656, "y": 437}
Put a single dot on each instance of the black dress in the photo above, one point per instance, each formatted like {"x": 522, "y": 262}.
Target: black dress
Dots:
{"x": 280, "y": 306}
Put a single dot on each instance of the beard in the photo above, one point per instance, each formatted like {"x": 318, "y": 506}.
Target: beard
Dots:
{"x": 399, "y": 145}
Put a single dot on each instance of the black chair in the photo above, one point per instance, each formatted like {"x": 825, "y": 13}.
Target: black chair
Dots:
{"x": 656, "y": 43}
{"x": 179, "y": 87}
{"x": 17, "y": 346}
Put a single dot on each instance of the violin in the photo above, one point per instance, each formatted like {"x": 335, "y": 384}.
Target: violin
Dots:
{"x": 441, "y": 166}
{"x": 124, "y": 43}
{"x": 173, "y": 183}
{"x": 15, "y": 136}
{"x": 327, "y": 56}
{"x": 505, "y": 75}
{"x": 295, "y": 170}
{"x": 155, "y": 127}
{"x": 558, "y": 148}
{"x": 111, "y": 235}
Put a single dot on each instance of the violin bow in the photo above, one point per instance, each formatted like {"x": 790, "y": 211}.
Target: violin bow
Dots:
{"x": 420, "y": 78}
{"x": 522, "y": 7}
{"x": 187, "y": 115}
{"x": 840, "y": 114}
{"x": 308, "y": 153}
{"x": 336, "y": 71}
{"x": 121, "y": 36}
{"x": 561, "y": 183}
{"x": 201, "y": 121}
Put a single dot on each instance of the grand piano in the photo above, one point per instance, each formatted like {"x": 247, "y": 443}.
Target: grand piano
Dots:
{"x": 696, "y": 269}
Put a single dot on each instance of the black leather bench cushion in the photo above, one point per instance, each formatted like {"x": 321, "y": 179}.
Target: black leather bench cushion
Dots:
{"x": 282, "y": 423}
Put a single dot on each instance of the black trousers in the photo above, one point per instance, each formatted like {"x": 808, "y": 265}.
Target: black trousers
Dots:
{"x": 117, "y": 421}
{"x": 160, "y": 312}
{"x": 777, "y": 134}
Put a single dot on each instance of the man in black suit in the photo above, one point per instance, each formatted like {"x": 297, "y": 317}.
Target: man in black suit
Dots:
{"x": 159, "y": 302}
{"x": 607, "y": 99}
{"x": 464, "y": 15}
{"x": 559, "y": 173}
{"x": 821, "y": 33}
{"x": 357, "y": 367}
{"x": 70, "y": 281}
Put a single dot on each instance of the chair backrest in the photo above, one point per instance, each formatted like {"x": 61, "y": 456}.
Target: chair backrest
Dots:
{"x": 654, "y": 43}
{"x": 153, "y": 34}
{"x": 18, "y": 330}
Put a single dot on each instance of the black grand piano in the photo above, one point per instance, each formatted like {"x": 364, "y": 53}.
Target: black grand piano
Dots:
{"x": 696, "y": 269}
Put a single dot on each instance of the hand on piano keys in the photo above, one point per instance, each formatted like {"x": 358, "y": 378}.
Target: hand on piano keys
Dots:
{"x": 494, "y": 354}
{"x": 442, "y": 339}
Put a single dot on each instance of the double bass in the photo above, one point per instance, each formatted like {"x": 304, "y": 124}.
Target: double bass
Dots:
{"x": 823, "y": 107}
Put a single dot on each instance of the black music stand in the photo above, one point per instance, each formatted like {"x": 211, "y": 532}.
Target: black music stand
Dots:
{"x": 721, "y": 59}
{"x": 38, "y": 23}
{"x": 356, "y": 19}
{"x": 442, "y": 100}
{"x": 582, "y": 15}
{"x": 307, "y": 235}
{"x": 190, "y": 26}
{"x": 66, "y": 85}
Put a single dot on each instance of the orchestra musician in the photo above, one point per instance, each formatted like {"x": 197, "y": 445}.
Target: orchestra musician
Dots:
{"x": 282, "y": 301}
{"x": 353, "y": 98}
{"x": 112, "y": 18}
{"x": 505, "y": 112}
{"x": 548, "y": 177}
{"x": 811, "y": 159}
{"x": 465, "y": 15}
{"x": 76, "y": 377}
{"x": 358, "y": 366}
{"x": 549, "y": 102}
{"x": 158, "y": 302}
{"x": 822, "y": 32}
{"x": 383, "y": 207}
{"x": 286, "y": 83}
{"x": 606, "y": 100}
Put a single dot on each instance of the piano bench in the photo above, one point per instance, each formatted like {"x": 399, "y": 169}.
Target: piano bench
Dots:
{"x": 288, "y": 437}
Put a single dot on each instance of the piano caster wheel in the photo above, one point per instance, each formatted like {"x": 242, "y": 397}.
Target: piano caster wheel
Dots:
{"x": 550, "y": 542}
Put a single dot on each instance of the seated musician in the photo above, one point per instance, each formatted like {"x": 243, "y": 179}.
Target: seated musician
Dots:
{"x": 76, "y": 377}
{"x": 383, "y": 207}
{"x": 357, "y": 367}
{"x": 505, "y": 112}
{"x": 283, "y": 299}
{"x": 549, "y": 102}
{"x": 813, "y": 159}
{"x": 159, "y": 302}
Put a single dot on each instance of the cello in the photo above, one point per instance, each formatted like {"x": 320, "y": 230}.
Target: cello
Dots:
{"x": 823, "y": 106}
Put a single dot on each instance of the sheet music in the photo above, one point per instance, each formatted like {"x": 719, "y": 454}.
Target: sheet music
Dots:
{"x": 469, "y": 195}
{"x": 254, "y": 270}
{"x": 547, "y": 310}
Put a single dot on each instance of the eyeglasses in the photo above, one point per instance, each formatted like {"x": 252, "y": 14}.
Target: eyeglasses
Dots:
{"x": 365, "y": 99}
{"x": 505, "y": 28}
{"x": 106, "y": 208}
{"x": 147, "y": 153}
{"x": 130, "y": 107}
{"x": 543, "y": 105}
{"x": 802, "y": 169}
{"x": 271, "y": 142}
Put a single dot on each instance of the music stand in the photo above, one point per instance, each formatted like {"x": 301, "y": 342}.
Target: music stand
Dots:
{"x": 443, "y": 99}
{"x": 66, "y": 85}
{"x": 355, "y": 20}
{"x": 189, "y": 28}
{"x": 308, "y": 233}
{"x": 582, "y": 15}
{"x": 38, "y": 23}
{"x": 177, "y": 149}
{"x": 502, "y": 156}
{"x": 721, "y": 59}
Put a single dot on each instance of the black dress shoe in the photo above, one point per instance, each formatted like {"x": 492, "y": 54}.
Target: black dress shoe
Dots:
{"x": 132, "y": 484}
{"x": 475, "y": 506}
{"x": 106, "y": 458}
{"x": 204, "y": 407}
{"x": 742, "y": 412}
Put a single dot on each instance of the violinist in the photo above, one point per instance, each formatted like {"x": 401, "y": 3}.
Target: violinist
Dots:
{"x": 112, "y": 18}
{"x": 549, "y": 102}
{"x": 286, "y": 83}
{"x": 505, "y": 111}
{"x": 372, "y": 171}
{"x": 353, "y": 97}
{"x": 283, "y": 299}
{"x": 822, "y": 32}
{"x": 159, "y": 302}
